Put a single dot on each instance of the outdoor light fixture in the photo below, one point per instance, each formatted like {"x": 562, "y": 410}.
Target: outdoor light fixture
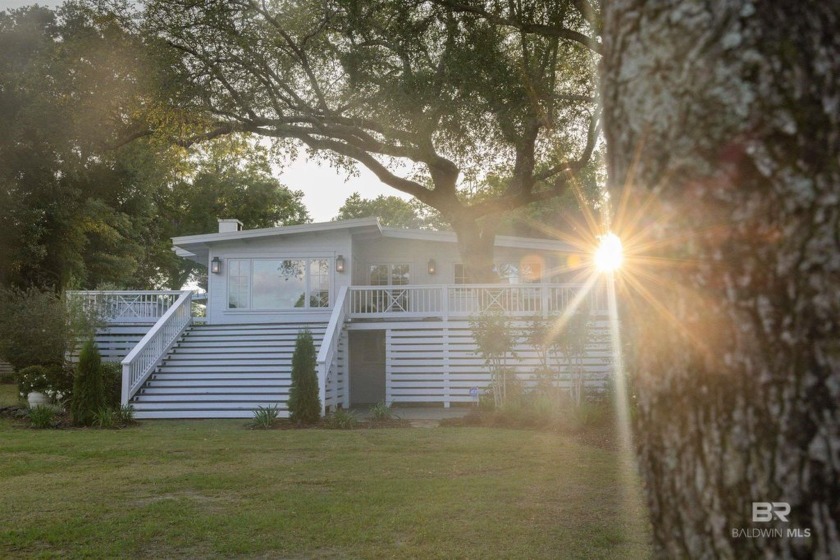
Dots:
{"x": 216, "y": 265}
{"x": 432, "y": 266}
{"x": 339, "y": 263}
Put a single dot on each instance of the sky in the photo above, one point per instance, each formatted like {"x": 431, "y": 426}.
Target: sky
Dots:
{"x": 325, "y": 189}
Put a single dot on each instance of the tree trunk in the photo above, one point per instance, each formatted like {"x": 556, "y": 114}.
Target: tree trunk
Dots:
{"x": 476, "y": 243}
{"x": 721, "y": 120}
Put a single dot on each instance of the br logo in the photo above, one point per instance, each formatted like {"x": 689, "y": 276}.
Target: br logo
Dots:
{"x": 762, "y": 512}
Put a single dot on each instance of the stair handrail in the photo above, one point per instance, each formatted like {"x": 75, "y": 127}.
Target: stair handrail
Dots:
{"x": 329, "y": 344}
{"x": 152, "y": 348}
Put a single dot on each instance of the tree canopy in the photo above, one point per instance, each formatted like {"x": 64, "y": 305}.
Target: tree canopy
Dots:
{"x": 80, "y": 205}
{"x": 430, "y": 97}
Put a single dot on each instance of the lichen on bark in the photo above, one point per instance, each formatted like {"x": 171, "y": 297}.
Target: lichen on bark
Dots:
{"x": 723, "y": 133}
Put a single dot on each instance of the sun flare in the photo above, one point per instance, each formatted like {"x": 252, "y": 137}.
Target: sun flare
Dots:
{"x": 609, "y": 255}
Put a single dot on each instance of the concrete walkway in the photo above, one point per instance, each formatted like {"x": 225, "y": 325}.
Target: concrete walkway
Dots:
{"x": 422, "y": 416}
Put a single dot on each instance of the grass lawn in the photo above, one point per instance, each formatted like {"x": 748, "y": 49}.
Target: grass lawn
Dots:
{"x": 8, "y": 394}
{"x": 213, "y": 489}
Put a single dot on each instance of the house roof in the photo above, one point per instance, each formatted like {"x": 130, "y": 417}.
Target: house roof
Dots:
{"x": 197, "y": 247}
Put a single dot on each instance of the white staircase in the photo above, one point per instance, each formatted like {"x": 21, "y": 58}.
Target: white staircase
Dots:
{"x": 224, "y": 371}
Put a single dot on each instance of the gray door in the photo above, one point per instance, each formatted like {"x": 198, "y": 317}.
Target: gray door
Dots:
{"x": 367, "y": 367}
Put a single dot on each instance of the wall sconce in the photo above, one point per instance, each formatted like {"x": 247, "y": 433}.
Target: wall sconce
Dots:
{"x": 216, "y": 265}
{"x": 432, "y": 267}
{"x": 339, "y": 263}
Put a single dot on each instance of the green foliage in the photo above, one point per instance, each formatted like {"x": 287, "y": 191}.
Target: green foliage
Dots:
{"x": 33, "y": 327}
{"x": 495, "y": 339}
{"x": 264, "y": 417}
{"x": 81, "y": 206}
{"x": 392, "y": 211}
{"x": 88, "y": 389}
{"x": 431, "y": 97}
{"x": 341, "y": 419}
{"x": 125, "y": 413}
{"x": 304, "y": 400}
{"x": 111, "y": 417}
{"x": 381, "y": 412}
{"x": 44, "y": 416}
{"x": 112, "y": 381}
{"x": 562, "y": 346}
{"x": 32, "y": 379}
{"x": 104, "y": 418}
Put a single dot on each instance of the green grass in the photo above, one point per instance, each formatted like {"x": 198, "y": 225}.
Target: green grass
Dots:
{"x": 213, "y": 489}
{"x": 8, "y": 394}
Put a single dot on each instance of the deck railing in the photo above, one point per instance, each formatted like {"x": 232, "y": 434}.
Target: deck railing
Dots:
{"x": 151, "y": 349}
{"x": 465, "y": 300}
{"x": 125, "y": 306}
{"x": 327, "y": 359}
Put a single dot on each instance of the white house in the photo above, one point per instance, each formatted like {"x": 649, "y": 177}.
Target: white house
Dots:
{"x": 389, "y": 310}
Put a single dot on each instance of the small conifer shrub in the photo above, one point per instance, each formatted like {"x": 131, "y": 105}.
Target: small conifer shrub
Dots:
{"x": 88, "y": 386}
{"x": 304, "y": 401}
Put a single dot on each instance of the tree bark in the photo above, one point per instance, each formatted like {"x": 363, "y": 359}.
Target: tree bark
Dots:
{"x": 476, "y": 244}
{"x": 721, "y": 120}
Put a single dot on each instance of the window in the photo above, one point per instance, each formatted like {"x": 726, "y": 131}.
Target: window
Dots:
{"x": 519, "y": 273}
{"x": 390, "y": 274}
{"x": 278, "y": 283}
{"x": 461, "y": 274}
{"x": 239, "y": 283}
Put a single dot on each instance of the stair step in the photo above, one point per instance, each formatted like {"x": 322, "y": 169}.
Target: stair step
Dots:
{"x": 224, "y": 371}
{"x": 226, "y": 382}
{"x": 175, "y": 362}
{"x": 173, "y": 414}
{"x": 244, "y": 404}
{"x": 214, "y": 398}
{"x": 216, "y": 390}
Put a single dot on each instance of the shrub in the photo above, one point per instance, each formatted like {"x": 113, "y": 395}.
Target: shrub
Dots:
{"x": 55, "y": 381}
{"x": 33, "y": 327}
{"x": 341, "y": 420}
{"x": 264, "y": 417}
{"x": 104, "y": 418}
{"x": 125, "y": 414}
{"x": 112, "y": 381}
{"x": 113, "y": 417}
{"x": 88, "y": 389}
{"x": 381, "y": 412}
{"x": 44, "y": 416}
{"x": 304, "y": 402}
{"x": 32, "y": 379}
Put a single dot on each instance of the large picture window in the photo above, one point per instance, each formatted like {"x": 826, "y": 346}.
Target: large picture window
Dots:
{"x": 278, "y": 283}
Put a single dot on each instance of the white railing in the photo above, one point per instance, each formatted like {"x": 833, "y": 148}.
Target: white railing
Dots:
{"x": 464, "y": 300}
{"x": 152, "y": 348}
{"x": 327, "y": 359}
{"x": 125, "y": 306}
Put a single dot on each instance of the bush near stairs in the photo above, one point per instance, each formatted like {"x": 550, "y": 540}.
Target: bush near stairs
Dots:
{"x": 304, "y": 402}
{"x": 88, "y": 386}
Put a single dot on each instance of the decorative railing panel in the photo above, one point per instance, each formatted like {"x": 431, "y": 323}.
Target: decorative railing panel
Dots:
{"x": 124, "y": 306}
{"x": 467, "y": 300}
{"x": 148, "y": 353}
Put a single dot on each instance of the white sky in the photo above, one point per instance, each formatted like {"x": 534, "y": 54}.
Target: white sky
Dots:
{"x": 325, "y": 190}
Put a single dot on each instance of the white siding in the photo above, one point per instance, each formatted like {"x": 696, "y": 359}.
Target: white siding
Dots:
{"x": 438, "y": 362}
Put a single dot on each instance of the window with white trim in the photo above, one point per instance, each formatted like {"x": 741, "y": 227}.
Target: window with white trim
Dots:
{"x": 264, "y": 284}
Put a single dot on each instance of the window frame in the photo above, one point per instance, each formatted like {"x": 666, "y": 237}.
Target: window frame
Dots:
{"x": 308, "y": 284}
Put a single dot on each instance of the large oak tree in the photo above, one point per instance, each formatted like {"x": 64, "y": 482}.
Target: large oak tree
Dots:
{"x": 426, "y": 95}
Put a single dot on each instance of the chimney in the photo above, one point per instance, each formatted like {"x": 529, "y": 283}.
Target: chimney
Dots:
{"x": 228, "y": 226}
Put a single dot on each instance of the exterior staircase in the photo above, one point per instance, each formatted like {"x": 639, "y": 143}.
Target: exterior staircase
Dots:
{"x": 224, "y": 371}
